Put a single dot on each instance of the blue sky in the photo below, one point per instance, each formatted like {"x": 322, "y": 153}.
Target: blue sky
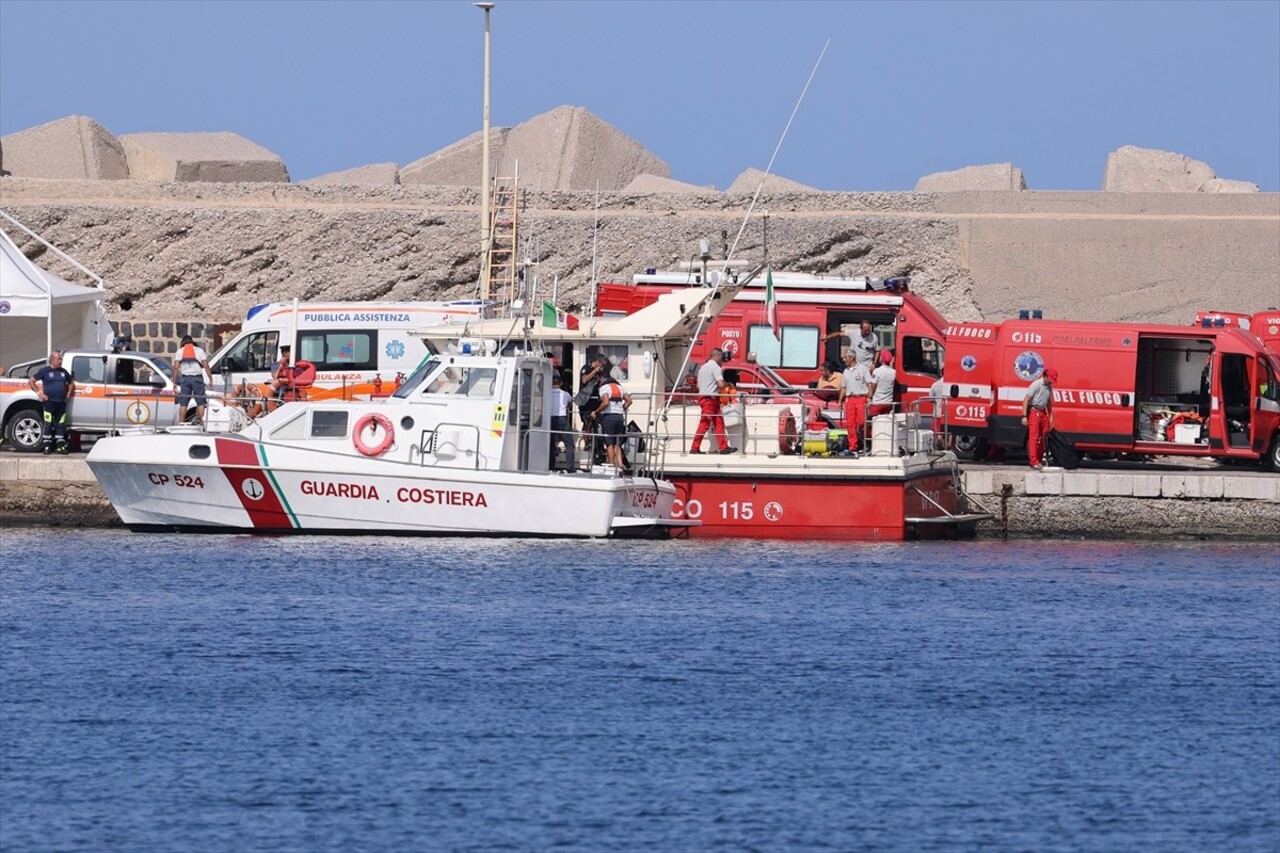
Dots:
{"x": 906, "y": 88}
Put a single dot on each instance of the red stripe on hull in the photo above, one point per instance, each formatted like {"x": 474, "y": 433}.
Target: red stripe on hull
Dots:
{"x": 253, "y": 486}
{"x": 816, "y": 510}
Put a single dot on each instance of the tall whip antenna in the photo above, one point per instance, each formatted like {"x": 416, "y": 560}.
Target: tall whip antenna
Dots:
{"x": 769, "y": 169}
{"x": 702, "y": 322}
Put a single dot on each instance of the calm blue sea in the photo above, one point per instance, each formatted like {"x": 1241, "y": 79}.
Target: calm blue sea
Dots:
{"x": 163, "y": 693}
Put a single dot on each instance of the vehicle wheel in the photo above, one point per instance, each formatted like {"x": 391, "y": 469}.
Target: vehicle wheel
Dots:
{"x": 25, "y": 430}
{"x": 1273, "y": 455}
{"x": 971, "y": 447}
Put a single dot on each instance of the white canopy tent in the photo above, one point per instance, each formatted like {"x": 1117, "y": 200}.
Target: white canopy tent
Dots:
{"x": 40, "y": 311}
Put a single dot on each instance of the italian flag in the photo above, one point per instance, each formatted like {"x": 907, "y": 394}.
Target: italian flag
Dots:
{"x": 554, "y": 318}
{"x": 771, "y": 305}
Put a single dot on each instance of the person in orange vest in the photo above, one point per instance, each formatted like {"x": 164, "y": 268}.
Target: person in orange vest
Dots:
{"x": 189, "y": 368}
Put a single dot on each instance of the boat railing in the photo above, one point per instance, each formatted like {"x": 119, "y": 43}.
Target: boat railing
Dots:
{"x": 643, "y": 450}
{"x": 443, "y": 443}
{"x": 806, "y": 424}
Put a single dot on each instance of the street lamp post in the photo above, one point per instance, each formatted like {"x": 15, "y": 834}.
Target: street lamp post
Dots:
{"x": 486, "y": 223}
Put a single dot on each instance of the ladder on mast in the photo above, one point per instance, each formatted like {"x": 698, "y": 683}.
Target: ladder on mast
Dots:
{"x": 503, "y": 228}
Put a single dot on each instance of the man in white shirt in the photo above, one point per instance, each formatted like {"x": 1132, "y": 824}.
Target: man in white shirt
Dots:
{"x": 560, "y": 429}
{"x": 854, "y": 384}
{"x": 863, "y": 344}
{"x": 883, "y": 380}
{"x": 710, "y": 384}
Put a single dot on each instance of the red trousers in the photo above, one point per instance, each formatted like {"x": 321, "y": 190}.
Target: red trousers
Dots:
{"x": 855, "y": 419}
{"x": 1037, "y": 431}
{"x": 711, "y": 417}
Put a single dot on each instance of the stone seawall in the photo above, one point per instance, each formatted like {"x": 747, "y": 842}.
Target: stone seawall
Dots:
{"x": 1079, "y": 504}
{"x": 210, "y": 251}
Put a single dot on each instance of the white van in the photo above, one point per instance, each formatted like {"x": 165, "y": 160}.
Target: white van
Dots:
{"x": 359, "y": 349}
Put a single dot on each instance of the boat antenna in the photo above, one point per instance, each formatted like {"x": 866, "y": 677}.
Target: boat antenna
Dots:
{"x": 702, "y": 321}
{"x": 595, "y": 240}
{"x": 769, "y": 169}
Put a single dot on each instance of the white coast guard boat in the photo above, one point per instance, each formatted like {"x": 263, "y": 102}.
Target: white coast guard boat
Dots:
{"x": 462, "y": 447}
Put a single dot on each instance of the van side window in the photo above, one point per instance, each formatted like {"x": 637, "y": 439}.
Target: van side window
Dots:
{"x": 252, "y": 353}
{"x": 1268, "y": 386}
{"x": 921, "y": 355}
{"x": 798, "y": 348}
{"x": 340, "y": 350}
{"x": 88, "y": 368}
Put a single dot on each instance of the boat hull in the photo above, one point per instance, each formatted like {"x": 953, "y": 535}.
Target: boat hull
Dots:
{"x": 154, "y": 483}
{"x": 838, "y": 508}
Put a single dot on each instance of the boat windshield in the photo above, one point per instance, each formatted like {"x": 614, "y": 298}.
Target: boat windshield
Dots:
{"x": 437, "y": 378}
{"x": 415, "y": 379}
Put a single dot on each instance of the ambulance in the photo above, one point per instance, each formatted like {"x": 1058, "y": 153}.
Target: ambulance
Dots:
{"x": 810, "y": 307}
{"x": 358, "y": 349}
{"x": 1143, "y": 389}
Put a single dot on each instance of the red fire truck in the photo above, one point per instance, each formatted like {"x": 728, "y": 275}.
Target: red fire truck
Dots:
{"x": 1265, "y": 325}
{"x": 810, "y": 307}
{"x": 1151, "y": 390}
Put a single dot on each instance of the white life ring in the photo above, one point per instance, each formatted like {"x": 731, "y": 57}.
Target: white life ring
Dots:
{"x": 376, "y": 420}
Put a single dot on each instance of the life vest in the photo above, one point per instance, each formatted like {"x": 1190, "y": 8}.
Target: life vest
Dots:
{"x": 613, "y": 392}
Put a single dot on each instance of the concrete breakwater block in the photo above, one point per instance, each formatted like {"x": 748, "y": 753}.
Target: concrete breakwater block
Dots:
{"x": 995, "y": 176}
{"x": 215, "y": 157}
{"x": 71, "y": 148}
{"x": 568, "y": 148}
{"x": 1146, "y": 170}
{"x": 375, "y": 174}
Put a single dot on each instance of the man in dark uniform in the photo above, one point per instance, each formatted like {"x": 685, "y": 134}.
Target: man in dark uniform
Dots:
{"x": 56, "y": 388}
{"x": 589, "y": 380}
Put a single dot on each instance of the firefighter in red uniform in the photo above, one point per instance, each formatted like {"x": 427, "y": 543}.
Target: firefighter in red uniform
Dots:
{"x": 1037, "y": 415}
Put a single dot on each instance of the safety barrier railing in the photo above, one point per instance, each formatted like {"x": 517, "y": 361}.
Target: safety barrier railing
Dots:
{"x": 806, "y": 425}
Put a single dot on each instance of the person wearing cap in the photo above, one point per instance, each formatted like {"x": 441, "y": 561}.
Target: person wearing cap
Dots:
{"x": 883, "y": 380}
{"x": 189, "y": 369}
{"x": 1037, "y": 415}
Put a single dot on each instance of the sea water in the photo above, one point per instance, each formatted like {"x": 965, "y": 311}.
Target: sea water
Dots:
{"x": 164, "y": 693}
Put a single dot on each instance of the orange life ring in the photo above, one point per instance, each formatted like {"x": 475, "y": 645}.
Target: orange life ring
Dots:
{"x": 787, "y": 435}
{"x": 375, "y": 419}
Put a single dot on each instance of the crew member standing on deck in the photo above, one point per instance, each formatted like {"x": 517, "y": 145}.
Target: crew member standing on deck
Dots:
{"x": 188, "y": 374}
{"x": 883, "y": 382}
{"x": 1037, "y": 415}
{"x": 612, "y": 415}
{"x": 560, "y": 429}
{"x": 56, "y": 388}
{"x": 854, "y": 383}
{"x": 711, "y": 385}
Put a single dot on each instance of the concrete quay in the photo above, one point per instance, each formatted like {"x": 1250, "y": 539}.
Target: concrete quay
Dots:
{"x": 1150, "y": 502}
